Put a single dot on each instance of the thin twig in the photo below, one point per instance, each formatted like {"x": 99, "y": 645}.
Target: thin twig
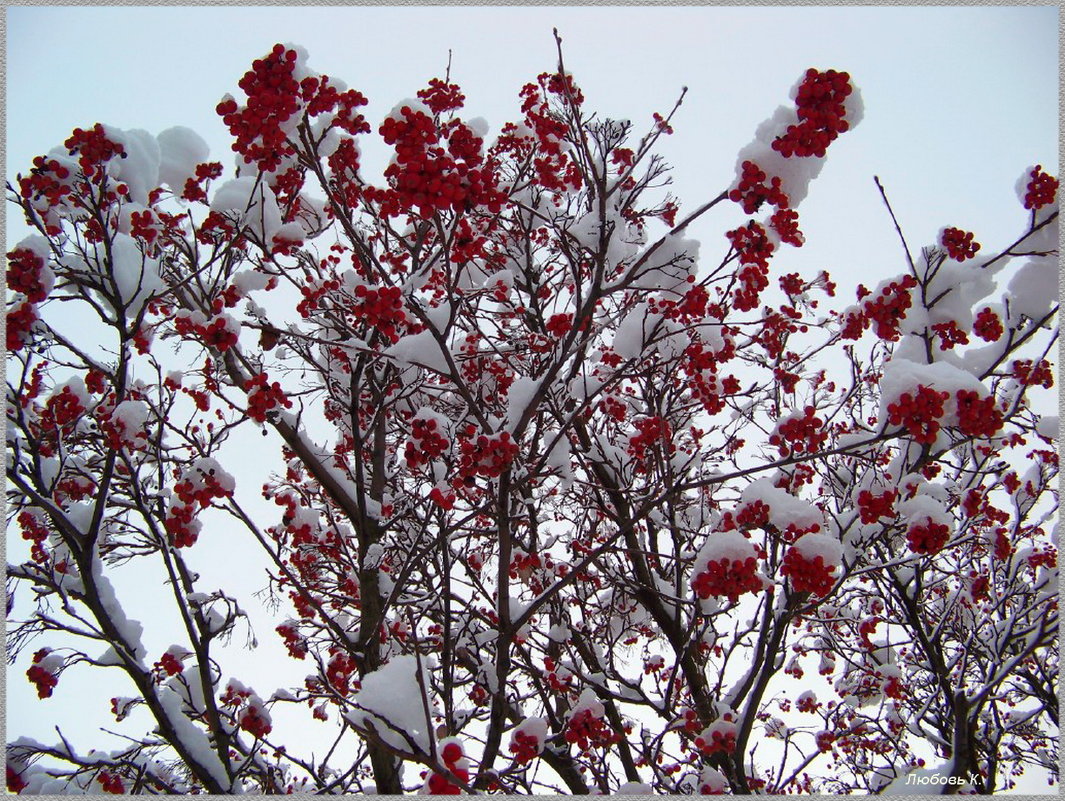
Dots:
{"x": 898, "y": 228}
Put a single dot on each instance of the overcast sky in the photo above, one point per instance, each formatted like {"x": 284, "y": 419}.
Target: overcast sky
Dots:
{"x": 959, "y": 100}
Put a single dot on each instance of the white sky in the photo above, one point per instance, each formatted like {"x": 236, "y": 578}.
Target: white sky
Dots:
{"x": 959, "y": 100}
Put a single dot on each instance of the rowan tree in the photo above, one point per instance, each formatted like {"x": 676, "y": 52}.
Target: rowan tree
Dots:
{"x": 566, "y": 501}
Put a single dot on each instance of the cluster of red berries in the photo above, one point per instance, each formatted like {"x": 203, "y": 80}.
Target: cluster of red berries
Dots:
{"x": 854, "y": 323}
{"x": 61, "y": 414}
{"x": 1003, "y": 548}
{"x": 301, "y": 600}
{"x": 427, "y": 178}
{"x": 700, "y": 366}
{"x": 344, "y": 165}
{"x": 525, "y": 747}
{"x": 653, "y": 664}
{"x": 322, "y": 97}
{"x": 298, "y": 526}
{"x": 892, "y": 687}
{"x": 728, "y": 578}
{"x": 977, "y": 417}
{"x": 234, "y": 694}
{"x": 49, "y": 181}
{"x": 786, "y": 223}
{"x": 25, "y": 274}
{"x": 488, "y": 455}
{"x": 754, "y": 249}
{"x": 623, "y": 157}
{"x": 651, "y": 433}
{"x": 313, "y": 292}
{"x": 522, "y": 564}
{"x": 792, "y": 284}
{"x": 1041, "y": 189}
{"x": 959, "y": 244}
{"x": 807, "y": 702}
{"x": 820, "y": 106}
{"x": 887, "y": 309}
{"x": 94, "y": 381}
{"x": 445, "y": 500}
{"x": 168, "y": 665}
{"x": 228, "y": 298}
{"x": 949, "y": 335}
{"x": 825, "y": 739}
{"x": 41, "y": 675}
{"x": 547, "y": 126}
{"x": 441, "y": 96}
{"x": 272, "y": 100}
{"x": 263, "y": 397}
{"x": 202, "y": 491}
{"x": 142, "y": 226}
{"x": 973, "y": 501}
{"x": 117, "y": 431}
{"x": 20, "y": 320}
{"x": 692, "y": 306}
{"x": 753, "y": 514}
{"x": 751, "y": 244}
{"x": 558, "y": 680}
{"x": 195, "y": 188}
{"x": 220, "y": 332}
{"x": 927, "y": 537}
{"x": 873, "y": 508}
{"x": 380, "y": 307}
{"x": 182, "y": 527}
{"x": 794, "y": 668}
{"x": 468, "y": 244}
{"x": 34, "y": 530}
{"x": 718, "y": 738}
{"x": 425, "y": 443}
{"x": 93, "y": 149}
{"x": 588, "y": 730}
{"x": 716, "y": 786}
{"x": 294, "y": 642}
{"x": 284, "y": 245}
{"x": 788, "y": 381}
{"x": 563, "y": 85}
{"x": 1046, "y": 557}
{"x": 978, "y": 590}
{"x": 866, "y": 629}
{"x": 558, "y": 325}
{"x": 776, "y": 328}
{"x": 454, "y": 760}
{"x": 1030, "y": 374}
{"x": 554, "y": 170}
{"x": 252, "y": 717}
{"x": 111, "y": 782}
{"x": 339, "y": 672}
{"x": 800, "y": 434}
{"x": 215, "y": 229}
{"x": 807, "y": 575}
{"x": 751, "y": 191}
{"x": 479, "y": 179}
{"x": 413, "y": 134}
{"x": 254, "y": 722}
{"x": 988, "y": 326}
{"x": 919, "y": 413}
{"x": 688, "y": 721}
{"x": 792, "y": 478}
